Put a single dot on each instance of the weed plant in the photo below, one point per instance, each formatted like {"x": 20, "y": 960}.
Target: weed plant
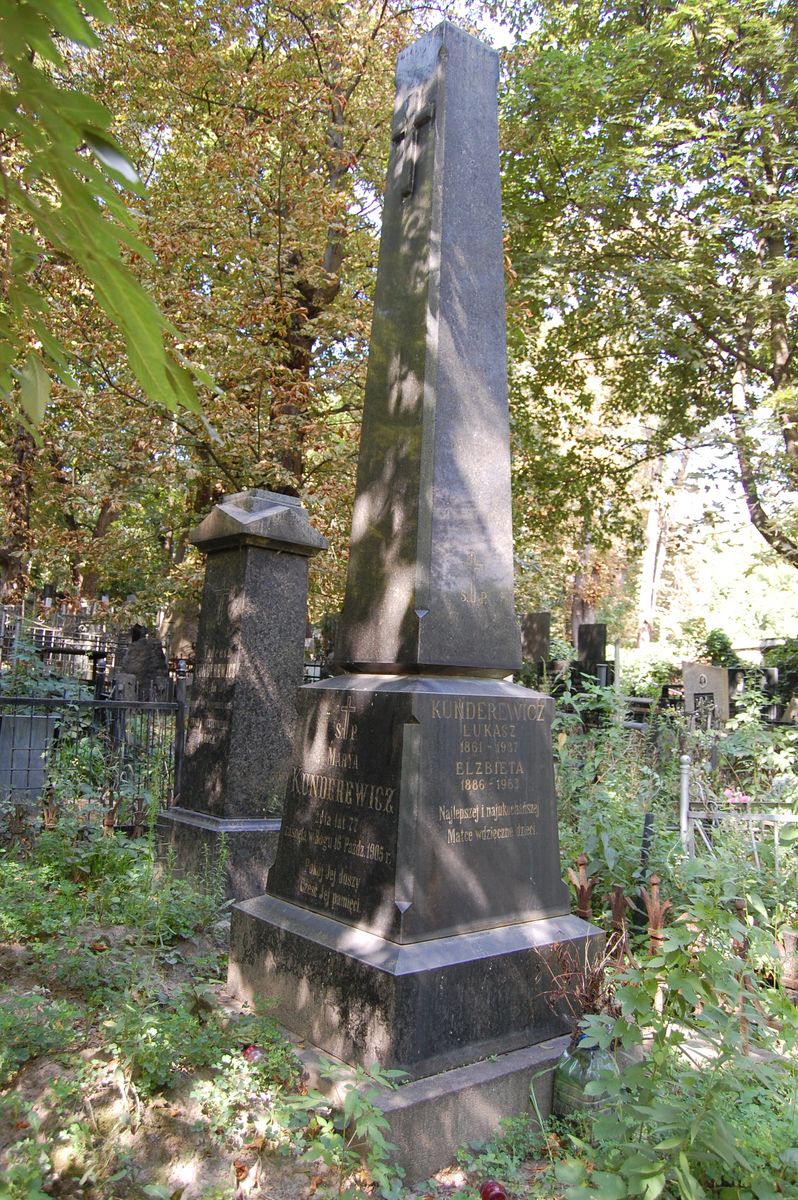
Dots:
{"x": 608, "y": 779}
{"x": 710, "y": 1109}
{"x": 344, "y": 1136}
{"x": 709, "y": 1112}
{"x": 97, "y": 919}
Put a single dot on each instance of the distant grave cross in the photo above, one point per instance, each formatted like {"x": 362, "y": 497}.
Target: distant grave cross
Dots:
{"x": 405, "y": 137}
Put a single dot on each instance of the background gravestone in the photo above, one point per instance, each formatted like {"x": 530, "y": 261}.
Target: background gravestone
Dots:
{"x": 536, "y": 637}
{"x": 415, "y": 914}
{"x": 143, "y": 673}
{"x": 25, "y": 742}
{"x": 591, "y": 647}
{"x": 706, "y": 691}
{"x": 250, "y": 653}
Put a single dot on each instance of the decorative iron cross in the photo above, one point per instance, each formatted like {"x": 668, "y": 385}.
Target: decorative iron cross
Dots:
{"x": 404, "y": 135}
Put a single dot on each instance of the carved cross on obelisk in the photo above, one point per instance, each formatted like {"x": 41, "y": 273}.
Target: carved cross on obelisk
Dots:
{"x": 406, "y": 133}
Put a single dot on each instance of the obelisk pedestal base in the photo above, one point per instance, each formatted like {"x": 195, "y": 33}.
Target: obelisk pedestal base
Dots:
{"x": 229, "y": 855}
{"x": 420, "y": 1008}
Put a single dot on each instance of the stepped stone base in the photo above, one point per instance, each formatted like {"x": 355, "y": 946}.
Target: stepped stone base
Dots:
{"x": 202, "y": 846}
{"x": 421, "y": 1008}
{"x": 430, "y": 1119}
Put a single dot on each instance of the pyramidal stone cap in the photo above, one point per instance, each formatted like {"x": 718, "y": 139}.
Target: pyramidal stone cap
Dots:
{"x": 256, "y": 517}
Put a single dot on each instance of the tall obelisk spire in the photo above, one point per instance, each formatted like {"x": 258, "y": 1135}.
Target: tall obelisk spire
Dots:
{"x": 430, "y": 585}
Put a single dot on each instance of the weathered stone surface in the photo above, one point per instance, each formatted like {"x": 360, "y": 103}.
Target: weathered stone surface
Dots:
{"x": 430, "y": 580}
{"x": 421, "y": 1008}
{"x": 250, "y": 651}
{"x": 143, "y": 670}
{"x": 706, "y": 689}
{"x": 258, "y": 518}
{"x": 430, "y": 1119}
{"x": 419, "y": 807}
{"x": 232, "y": 856}
{"x": 536, "y": 636}
{"x": 249, "y": 665}
{"x": 415, "y": 914}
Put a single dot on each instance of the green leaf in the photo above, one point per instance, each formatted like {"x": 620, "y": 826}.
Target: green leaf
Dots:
{"x": 69, "y": 21}
{"x": 55, "y": 351}
{"x": 205, "y": 377}
{"x": 609, "y": 1187}
{"x": 724, "y": 1143}
{"x": 640, "y": 1165}
{"x": 763, "y": 1190}
{"x": 22, "y": 28}
{"x": 99, "y": 10}
{"x": 112, "y": 157}
{"x": 689, "y": 1186}
{"x": 182, "y": 388}
{"x": 570, "y": 1171}
{"x": 670, "y": 1143}
{"x": 653, "y": 1186}
{"x": 757, "y": 904}
{"x": 34, "y": 388}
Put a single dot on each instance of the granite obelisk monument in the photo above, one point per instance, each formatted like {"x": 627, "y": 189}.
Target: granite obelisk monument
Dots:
{"x": 417, "y": 895}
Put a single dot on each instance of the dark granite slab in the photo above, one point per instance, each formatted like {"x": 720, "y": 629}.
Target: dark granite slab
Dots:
{"x": 424, "y": 1008}
{"x": 250, "y": 655}
{"x": 591, "y": 646}
{"x": 536, "y": 636}
{"x": 421, "y": 807}
{"x": 229, "y": 856}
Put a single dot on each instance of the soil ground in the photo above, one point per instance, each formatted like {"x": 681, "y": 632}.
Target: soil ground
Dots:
{"x": 109, "y": 1142}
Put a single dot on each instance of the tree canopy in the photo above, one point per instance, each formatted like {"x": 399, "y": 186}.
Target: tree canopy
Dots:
{"x": 650, "y": 187}
{"x": 223, "y": 262}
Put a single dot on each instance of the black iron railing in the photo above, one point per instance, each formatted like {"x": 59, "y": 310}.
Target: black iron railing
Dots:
{"x": 119, "y": 759}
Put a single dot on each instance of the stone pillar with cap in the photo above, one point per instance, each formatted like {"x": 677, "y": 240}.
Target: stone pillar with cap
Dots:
{"x": 249, "y": 662}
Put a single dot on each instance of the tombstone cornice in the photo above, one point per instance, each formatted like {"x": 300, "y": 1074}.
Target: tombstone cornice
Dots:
{"x": 259, "y": 518}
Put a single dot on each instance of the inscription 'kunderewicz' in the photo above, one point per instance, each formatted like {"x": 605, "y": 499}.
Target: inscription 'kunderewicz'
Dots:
{"x": 488, "y": 710}
{"x": 351, "y": 792}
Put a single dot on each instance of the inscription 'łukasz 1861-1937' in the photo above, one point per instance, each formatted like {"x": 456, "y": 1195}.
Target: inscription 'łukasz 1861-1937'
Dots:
{"x": 417, "y": 813}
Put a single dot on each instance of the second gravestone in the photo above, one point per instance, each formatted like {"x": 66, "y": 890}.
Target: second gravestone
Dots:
{"x": 415, "y": 914}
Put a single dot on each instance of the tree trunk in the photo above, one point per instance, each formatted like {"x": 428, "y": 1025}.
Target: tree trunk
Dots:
{"x": 655, "y": 552}
{"x": 15, "y": 554}
{"x": 760, "y": 519}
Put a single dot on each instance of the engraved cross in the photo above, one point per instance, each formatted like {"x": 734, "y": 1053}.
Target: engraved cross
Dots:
{"x": 347, "y": 709}
{"x": 473, "y": 595}
{"x": 404, "y": 135}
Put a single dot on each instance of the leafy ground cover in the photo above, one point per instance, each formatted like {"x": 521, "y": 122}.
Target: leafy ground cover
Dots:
{"x": 126, "y": 1072}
